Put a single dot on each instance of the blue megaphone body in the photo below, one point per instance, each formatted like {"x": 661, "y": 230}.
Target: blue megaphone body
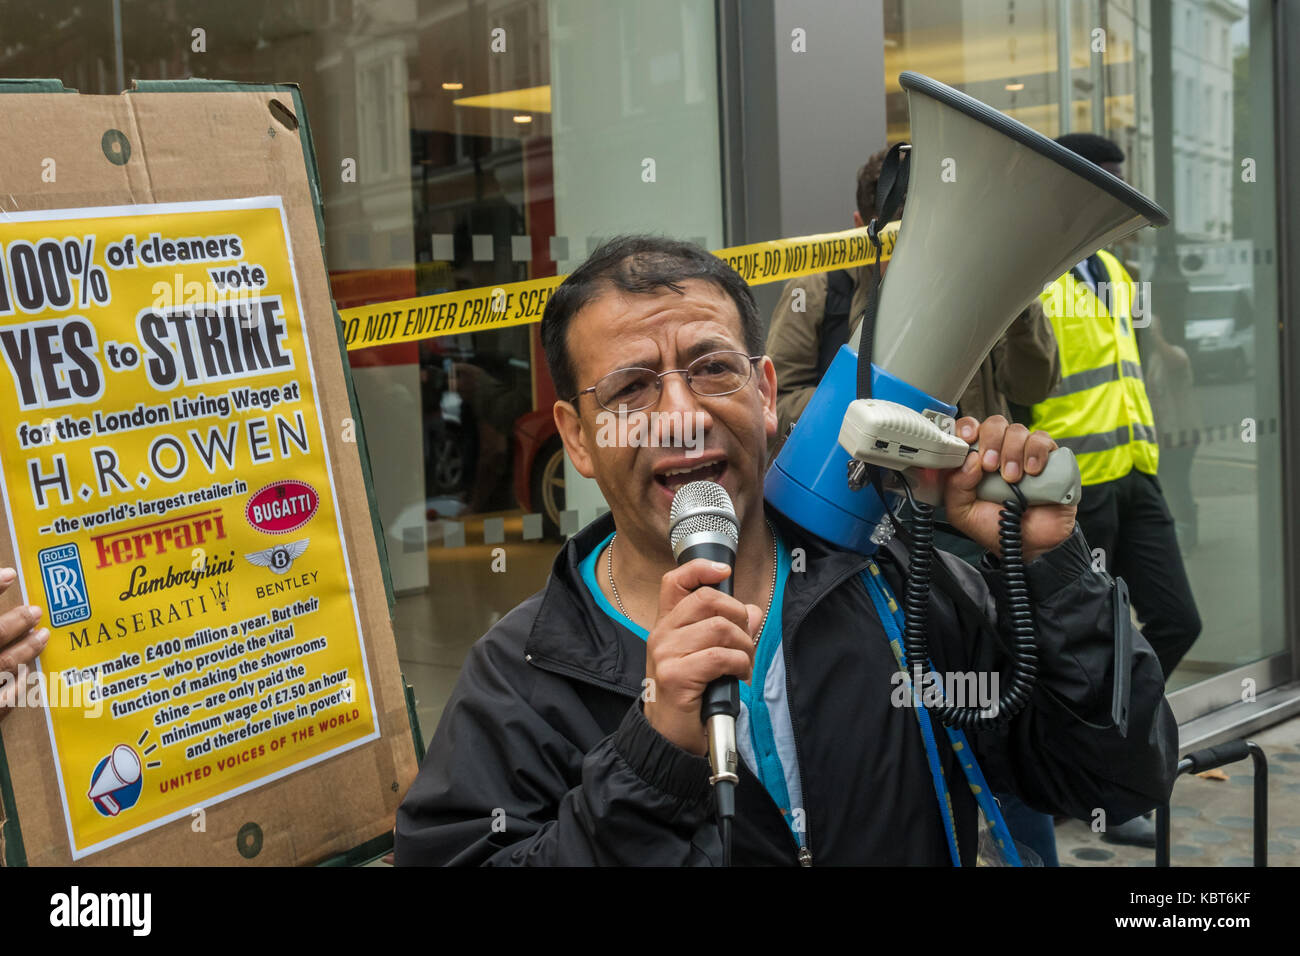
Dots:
{"x": 808, "y": 482}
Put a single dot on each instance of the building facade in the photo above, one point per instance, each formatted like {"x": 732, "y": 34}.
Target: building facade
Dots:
{"x": 474, "y": 143}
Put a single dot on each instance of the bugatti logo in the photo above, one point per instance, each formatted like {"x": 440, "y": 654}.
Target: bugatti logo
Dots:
{"x": 282, "y": 506}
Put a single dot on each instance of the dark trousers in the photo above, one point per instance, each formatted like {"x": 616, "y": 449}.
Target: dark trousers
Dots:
{"x": 1129, "y": 520}
{"x": 1035, "y": 830}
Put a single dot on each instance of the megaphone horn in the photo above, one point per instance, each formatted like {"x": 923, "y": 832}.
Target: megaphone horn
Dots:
{"x": 994, "y": 212}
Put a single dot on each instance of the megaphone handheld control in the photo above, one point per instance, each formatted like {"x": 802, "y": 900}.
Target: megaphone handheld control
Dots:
{"x": 883, "y": 434}
{"x": 888, "y": 396}
{"x": 876, "y": 432}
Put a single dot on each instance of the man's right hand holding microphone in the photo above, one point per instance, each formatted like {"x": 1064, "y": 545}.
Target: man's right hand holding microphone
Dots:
{"x": 700, "y": 634}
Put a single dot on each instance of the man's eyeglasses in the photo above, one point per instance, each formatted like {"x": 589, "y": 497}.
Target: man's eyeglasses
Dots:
{"x": 634, "y": 389}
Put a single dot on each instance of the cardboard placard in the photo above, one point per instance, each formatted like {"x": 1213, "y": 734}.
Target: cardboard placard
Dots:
{"x": 186, "y": 492}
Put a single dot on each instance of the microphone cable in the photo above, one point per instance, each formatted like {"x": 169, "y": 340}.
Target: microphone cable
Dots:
{"x": 724, "y": 800}
{"x": 724, "y": 827}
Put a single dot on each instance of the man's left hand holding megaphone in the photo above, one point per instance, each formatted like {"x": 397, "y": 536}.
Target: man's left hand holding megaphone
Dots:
{"x": 1012, "y": 451}
{"x": 20, "y": 642}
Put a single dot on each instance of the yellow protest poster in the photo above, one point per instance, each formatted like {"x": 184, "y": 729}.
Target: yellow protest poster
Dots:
{"x": 168, "y": 487}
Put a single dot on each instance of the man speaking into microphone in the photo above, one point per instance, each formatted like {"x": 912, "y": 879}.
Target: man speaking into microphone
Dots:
{"x": 574, "y": 735}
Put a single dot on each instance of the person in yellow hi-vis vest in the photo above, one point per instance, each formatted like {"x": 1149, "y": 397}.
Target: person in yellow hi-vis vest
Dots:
{"x": 1100, "y": 410}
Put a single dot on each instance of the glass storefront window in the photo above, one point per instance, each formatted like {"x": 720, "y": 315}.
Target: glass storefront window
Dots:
{"x": 495, "y": 157}
{"x": 460, "y": 145}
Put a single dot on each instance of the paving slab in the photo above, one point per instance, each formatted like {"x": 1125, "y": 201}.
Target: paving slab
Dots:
{"x": 1211, "y": 820}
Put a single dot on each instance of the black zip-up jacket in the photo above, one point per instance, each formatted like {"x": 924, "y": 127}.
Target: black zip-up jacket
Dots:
{"x": 543, "y": 754}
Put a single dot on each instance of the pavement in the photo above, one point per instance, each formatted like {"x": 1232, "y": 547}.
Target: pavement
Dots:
{"x": 1211, "y": 820}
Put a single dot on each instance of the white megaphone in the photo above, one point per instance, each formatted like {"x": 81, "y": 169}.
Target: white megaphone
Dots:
{"x": 995, "y": 211}
{"x": 121, "y": 770}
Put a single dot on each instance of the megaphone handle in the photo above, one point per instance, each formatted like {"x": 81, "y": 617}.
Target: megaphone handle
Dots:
{"x": 1057, "y": 484}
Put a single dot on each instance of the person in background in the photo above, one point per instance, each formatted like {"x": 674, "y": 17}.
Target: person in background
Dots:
{"x": 1169, "y": 380}
{"x": 1102, "y": 412}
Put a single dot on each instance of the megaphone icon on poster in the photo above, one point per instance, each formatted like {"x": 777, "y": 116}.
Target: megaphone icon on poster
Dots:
{"x": 119, "y": 771}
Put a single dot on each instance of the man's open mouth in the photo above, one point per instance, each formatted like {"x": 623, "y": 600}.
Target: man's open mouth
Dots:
{"x": 674, "y": 478}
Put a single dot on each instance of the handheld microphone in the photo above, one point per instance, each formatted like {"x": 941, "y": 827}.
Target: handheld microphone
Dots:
{"x": 703, "y": 524}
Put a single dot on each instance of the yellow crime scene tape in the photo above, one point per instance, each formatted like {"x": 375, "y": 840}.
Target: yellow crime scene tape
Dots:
{"x": 519, "y": 303}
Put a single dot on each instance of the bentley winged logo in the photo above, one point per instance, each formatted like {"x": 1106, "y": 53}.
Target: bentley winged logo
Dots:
{"x": 279, "y": 558}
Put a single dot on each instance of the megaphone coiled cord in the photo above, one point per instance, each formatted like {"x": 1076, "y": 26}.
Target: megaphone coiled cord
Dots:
{"x": 1024, "y": 657}
{"x": 916, "y": 597}
{"x": 1024, "y": 646}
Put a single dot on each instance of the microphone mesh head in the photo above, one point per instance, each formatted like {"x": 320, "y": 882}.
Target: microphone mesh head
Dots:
{"x": 696, "y": 508}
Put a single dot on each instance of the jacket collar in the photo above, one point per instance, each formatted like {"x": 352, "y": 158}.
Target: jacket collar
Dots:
{"x": 572, "y": 634}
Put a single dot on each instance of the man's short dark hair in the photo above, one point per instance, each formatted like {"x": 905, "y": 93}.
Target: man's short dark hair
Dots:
{"x": 868, "y": 177}
{"x": 1095, "y": 149}
{"x": 640, "y": 265}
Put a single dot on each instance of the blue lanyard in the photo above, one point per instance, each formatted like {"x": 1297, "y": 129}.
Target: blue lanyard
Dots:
{"x": 891, "y": 616}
